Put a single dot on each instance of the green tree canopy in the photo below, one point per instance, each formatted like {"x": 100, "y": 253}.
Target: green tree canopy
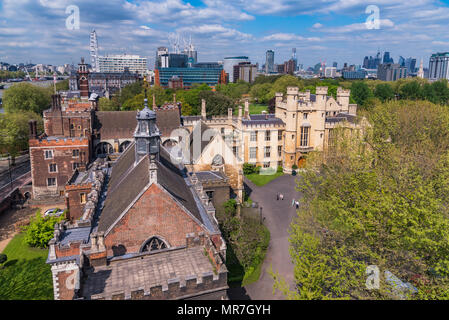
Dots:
{"x": 360, "y": 92}
{"x": 216, "y": 103}
{"x": 26, "y": 97}
{"x": 14, "y": 131}
{"x": 384, "y": 92}
{"x": 381, "y": 200}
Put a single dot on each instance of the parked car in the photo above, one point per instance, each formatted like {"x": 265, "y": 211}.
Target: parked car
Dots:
{"x": 55, "y": 212}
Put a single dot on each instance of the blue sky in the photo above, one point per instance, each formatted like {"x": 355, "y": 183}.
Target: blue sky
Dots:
{"x": 328, "y": 30}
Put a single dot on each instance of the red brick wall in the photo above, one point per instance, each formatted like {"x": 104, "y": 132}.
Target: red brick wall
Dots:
{"x": 74, "y": 206}
{"x": 64, "y": 292}
{"x": 155, "y": 213}
{"x": 62, "y": 156}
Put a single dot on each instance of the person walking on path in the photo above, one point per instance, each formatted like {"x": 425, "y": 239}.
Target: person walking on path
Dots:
{"x": 297, "y": 204}
{"x": 281, "y": 196}
{"x": 277, "y": 196}
{"x": 293, "y": 202}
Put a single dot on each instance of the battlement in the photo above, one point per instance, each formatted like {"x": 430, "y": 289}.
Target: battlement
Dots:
{"x": 58, "y": 141}
{"x": 292, "y": 90}
{"x": 343, "y": 92}
{"x": 175, "y": 288}
{"x": 321, "y": 90}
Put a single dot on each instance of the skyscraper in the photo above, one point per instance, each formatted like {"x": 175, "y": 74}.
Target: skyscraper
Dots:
{"x": 295, "y": 60}
{"x": 269, "y": 64}
{"x": 387, "y": 58}
{"x": 94, "y": 51}
{"x": 161, "y": 58}
{"x": 439, "y": 66}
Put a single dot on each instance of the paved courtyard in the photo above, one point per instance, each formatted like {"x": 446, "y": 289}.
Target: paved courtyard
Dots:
{"x": 278, "y": 216}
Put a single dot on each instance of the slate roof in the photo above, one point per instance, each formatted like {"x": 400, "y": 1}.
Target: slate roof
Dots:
{"x": 123, "y": 189}
{"x": 342, "y": 117}
{"x": 121, "y": 124}
{"x": 128, "y": 180}
{"x": 264, "y": 119}
{"x": 168, "y": 118}
{"x": 115, "y": 124}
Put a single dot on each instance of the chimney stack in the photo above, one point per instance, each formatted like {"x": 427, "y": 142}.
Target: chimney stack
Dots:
{"x": 33, "y": 129}
{"x": 240, "y": 113}
{"x": 56, "y": 101}
{"x": 246, "y": 109}
{"x": 203, "y": 109}
{"x": 154, "y": 102}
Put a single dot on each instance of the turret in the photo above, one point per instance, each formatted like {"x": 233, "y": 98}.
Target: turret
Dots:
{"x": 343, "y": 98}
{"x": 321, "y": 95}
{"x": 147, "y": 134}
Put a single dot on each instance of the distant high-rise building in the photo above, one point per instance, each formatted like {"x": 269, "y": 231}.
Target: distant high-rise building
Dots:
{"x": 335, "y": 65}
{"x": 295, "y": 60}
{"x": 118, "y": 63}
{"x": 94, "y": 51}
{"x": 387, "y": 58}
{"x": 401, "y": 61}
{"x": 290, "y": 66}
{"x": 245, "y": 71}
{"x": 269, "y": 64}
{"x": 439, "y": 66}
{"x": 161, "y": 58}
{"x": 230, "y": 62}
{"x": 330, "y": 72}
{"x": 391, "y": 72}
{"x": 410, "y": 64}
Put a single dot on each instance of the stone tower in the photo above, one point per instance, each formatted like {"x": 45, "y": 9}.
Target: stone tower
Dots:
{"x": 290, "y": 140}
{"x": 83, "y": 79}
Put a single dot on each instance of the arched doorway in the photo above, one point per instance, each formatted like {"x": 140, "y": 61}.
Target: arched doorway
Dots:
{"x": 301, "y": 162}
{"x": 153, "y": 244}
{"x": 124, "y": 145}
{"x": 104, "y": 148}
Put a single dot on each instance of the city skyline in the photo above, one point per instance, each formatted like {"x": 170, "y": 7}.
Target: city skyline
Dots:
{"x": 328, "y": 30}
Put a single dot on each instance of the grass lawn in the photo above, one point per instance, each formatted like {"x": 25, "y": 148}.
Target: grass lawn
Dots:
{"x": 261, "y": 180}
{"x": 237, "y": 276}
{"x": 253, "y": 109}
{"x": 25, "y": 275}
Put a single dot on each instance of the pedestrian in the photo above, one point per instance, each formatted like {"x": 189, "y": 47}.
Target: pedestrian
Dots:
{"x": 297, "y": 204}
{"x": 293, "y": 202}
{"x": 282, "y": 196}
{"x": 277, "y": 196}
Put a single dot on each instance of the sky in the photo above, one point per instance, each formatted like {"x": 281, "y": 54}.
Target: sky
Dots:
{"x": 321, "y": 30}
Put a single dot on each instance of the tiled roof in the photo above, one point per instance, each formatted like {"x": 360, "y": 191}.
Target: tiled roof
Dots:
{"x": 341, "y": 117}
{"x": 115, "y": 124}
{"x": 122, "y": 192}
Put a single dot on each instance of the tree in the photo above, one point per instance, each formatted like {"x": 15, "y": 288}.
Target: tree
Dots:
{"x": 216, "y": 103}
{"x": 26, "y": 97}
{"x": 385, "y": 204}
{"x": 130, "y": 91}
{"x": 40, "y": 230}
{"x": 234, "y": 90}
{"x": 62, "y": 85}
{"x": 14, "y": 131}
{"x": 106, "y": 104}
{"x": 261, "y": 92}
{"x": 384, "y": 92}
{"x": 360, "y": 92}
{"x": 281, "y": 84}
{"x": 410, "y": 90}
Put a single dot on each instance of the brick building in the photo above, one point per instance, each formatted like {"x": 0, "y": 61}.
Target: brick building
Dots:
{"x": 54, "y": 160}
{"x": 147, "y": 229}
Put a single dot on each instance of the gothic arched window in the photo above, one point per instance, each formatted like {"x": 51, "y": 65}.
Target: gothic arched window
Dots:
{"x": 153, "y": 244}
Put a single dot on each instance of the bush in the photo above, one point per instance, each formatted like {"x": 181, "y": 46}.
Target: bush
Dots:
{"x": 280, "y": 169}
{"x": 294, "y": 167}
{"x": 249, "y": 168}
{"x": 40, "y": 230}
{"x": 3, "y": 258}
